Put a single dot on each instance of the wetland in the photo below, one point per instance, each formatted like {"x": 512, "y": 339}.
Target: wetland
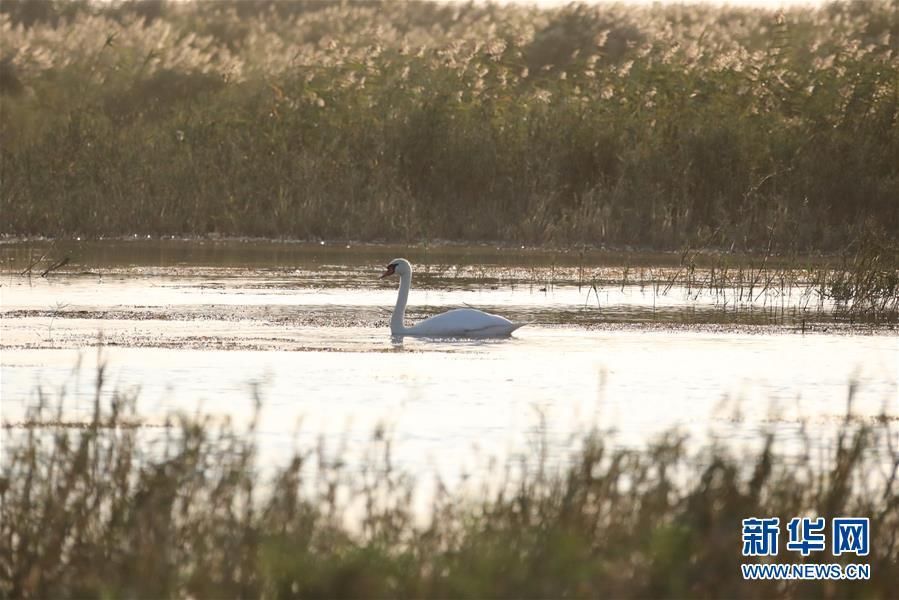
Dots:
{"x": 638, "y": 342}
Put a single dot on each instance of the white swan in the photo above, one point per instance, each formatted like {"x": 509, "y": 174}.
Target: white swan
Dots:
{"x": 460, "y": 322}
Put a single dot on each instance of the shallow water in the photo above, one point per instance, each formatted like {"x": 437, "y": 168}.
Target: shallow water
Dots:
{"x": 620, "y": 341}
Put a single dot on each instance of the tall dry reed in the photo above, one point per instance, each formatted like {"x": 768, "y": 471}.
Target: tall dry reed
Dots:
{"x": 653, "y": 126}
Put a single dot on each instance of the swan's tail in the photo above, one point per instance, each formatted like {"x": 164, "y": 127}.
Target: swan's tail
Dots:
{"x": 517, "y": 326}
{"x": 495, "y": 331}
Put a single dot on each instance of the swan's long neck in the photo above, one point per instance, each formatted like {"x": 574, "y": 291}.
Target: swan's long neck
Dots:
{"x": 397, "y": 321}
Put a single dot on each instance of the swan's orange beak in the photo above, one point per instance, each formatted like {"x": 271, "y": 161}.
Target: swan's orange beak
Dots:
{"x": 390, "y": 270}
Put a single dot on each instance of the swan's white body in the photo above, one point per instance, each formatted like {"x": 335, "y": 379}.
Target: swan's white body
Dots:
{"x": 460, "y": 322}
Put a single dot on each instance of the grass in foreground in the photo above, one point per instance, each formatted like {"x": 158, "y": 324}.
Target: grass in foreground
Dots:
{"x": 654, "y": 126}
{"x": 97, "y": 512}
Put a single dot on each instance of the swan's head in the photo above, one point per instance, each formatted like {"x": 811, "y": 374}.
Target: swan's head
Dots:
{"x": 398, "y": 266}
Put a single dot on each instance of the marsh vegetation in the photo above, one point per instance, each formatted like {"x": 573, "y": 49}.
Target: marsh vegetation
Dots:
{"x": 98, "y": 510}
{"x": 655, "y": 126}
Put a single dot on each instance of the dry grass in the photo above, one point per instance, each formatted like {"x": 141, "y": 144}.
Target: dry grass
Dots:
{"x": 649, "y": 126}
{"x": 103, "y": 511}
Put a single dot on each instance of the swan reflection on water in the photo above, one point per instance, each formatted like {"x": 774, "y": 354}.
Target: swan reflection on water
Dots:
{"x": 448, "y": 343}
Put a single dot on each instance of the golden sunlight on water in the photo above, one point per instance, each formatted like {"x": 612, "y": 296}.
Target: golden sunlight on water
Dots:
{"x": 639, "y": 358}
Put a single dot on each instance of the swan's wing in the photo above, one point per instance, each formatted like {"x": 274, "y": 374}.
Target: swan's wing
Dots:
{"x": 464, "y": 322}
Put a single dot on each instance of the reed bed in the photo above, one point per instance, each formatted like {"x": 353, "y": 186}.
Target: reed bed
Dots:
{"x": 100, "y": 511}
{"x": 861, "y": 283}
{"x": 651, "y": 126}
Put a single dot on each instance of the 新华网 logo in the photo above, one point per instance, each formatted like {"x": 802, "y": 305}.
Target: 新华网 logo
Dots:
{"x": 806, "y": 535}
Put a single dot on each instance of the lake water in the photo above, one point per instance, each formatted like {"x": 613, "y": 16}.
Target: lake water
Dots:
{"x": 623, "y": 341}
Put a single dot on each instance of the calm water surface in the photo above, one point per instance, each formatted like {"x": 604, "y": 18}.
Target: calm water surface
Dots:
{"x": 622, "y": 341}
